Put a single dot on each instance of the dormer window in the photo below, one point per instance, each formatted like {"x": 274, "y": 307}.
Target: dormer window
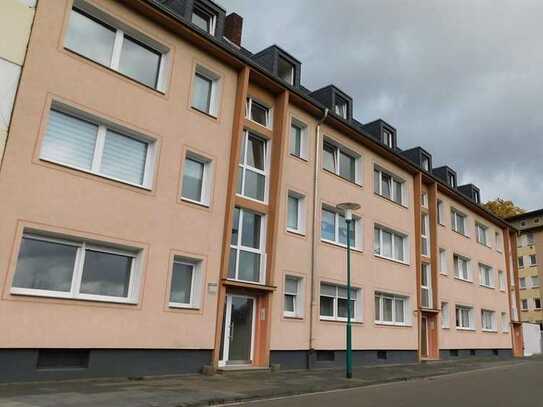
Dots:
{"x": 451, "y": 179}
{"x": 387, "y": 138}
{"x": 203, "y": 19}
{"x": 340, "y": 107}
{"x": 425, "y": 163}
{"x": 285, "y": 71}
{"x": 477, "y": 197}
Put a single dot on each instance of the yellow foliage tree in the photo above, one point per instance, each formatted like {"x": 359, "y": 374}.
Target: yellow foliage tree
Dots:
{"x": 502, "y": 208}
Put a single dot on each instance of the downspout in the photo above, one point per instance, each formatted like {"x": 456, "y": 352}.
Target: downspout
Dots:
{"x": 314, "y": 240}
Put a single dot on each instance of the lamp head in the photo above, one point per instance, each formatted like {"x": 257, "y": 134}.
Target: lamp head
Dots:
{"x": 348, "y": 208}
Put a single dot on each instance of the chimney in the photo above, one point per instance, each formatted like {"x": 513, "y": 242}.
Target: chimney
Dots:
{"x": 233, "y": 26}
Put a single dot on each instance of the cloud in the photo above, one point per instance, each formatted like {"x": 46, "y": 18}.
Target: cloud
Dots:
{"x": 460, "y": 78}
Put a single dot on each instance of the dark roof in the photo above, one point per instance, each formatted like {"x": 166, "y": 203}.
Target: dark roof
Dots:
{"x": 525, "y": 215}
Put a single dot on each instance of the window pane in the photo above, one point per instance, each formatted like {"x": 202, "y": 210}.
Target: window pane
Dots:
{"x": 387, "y": 244}
{"x": 235, "y": 227}
{"x": 45, "y": 266}
{"x": 295, "y": 140}
{"x": 387, "y": 309}
{"x": 398, "y": 248}
{"x": 328, "y": 225}
{"x": 342, "y": 308}
{"x": 386, "y": 187}
{"x": 376, "y": 181}
{"x": 193, "y": 177}
{"x": 342, "y": 226}
{"x": 259, "y": 113}
{"x": 181, "y": 283}
{"x": 285, "y": 70}
{"x": 291, "y": 285}
{"x": 249, "y": 266}
{"x": 397, "y": 192}
{"x": 377, "y": 308}
{"x": 289, "y": 303}
{"x": 255, "y": 152}
{"x": 250, "y": 236}
{"x": 377, "y": 241}
{"x": 329, "y": 157}
{"x": 139, "y": 62}
{"x": 292, "y": 212}
{"x": 124, "y": 158}
{"x": 254, "y": 185}
{"x": 106, "y": 274}
{"x": 399, "y": 304}
{"x": 347, "y": 167}
{"x": 327, "y": 306}
{"x": 69, "y": 140}
{"x": 232, "y": 264}
{"x": 201, "y": 96}
{"x": 329, "y": 290}
{"x": 90, "y": 38}
{"x": 201, "y": 19}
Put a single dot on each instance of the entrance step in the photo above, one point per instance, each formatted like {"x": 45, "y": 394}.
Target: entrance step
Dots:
{"x": 242, "y": 369}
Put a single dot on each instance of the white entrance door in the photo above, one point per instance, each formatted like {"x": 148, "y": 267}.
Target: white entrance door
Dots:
{"x": 238, "y": 331}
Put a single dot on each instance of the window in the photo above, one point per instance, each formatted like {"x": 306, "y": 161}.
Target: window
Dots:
{"x": 488, "y": 320}
{"x": 203, "y": 19}
{"x": 340, "y": 161}
{"x": 533, "y": 260}
{"x": 425, "y": 163}
{"x": 90, "y": 146}
{"x": 486, "y": 276}
{"x": 387, "y": 138}
{"x": 499, "y": 243}
{"x": 185, "y": 284}
{"x": 477, "y": 197}
{"x": 293, "y": 301}
{"x": 426, "y": 286}
{"x": 461, "y": 268}
{"x": 341, "y": 107}
{"x": 524, "y": 305}
{"x": 54, "y": 267}
{"x": 333, "y": 302}
{"x": 529, "y": 239}
{"x": 451, "y": 179}
{"x": 391, "y": 309}
{"x": 522, "y": 282}
{"x": 196, "y": 179}
{"x": 389, "y": 244}
{"x": 505, "y": 322}
{"x": 521, "y": 261}
{"x": 139, "y": 59}
{"x": 535, "y": 281}
{"x": 389, "y": 186}
{"x": 285, "y": 71}
{"x": 247, "y": 259}
{"x": 445, "y": 315}
{"x": 464, "y": 317}
{"x": 443, "y": 262}
{"x": 501, "y": 280}
{"x": 205, "y": 91}
{"x": 334, "y": 228}
{"x": 481, "y": 234}
{"x": 258, "y": 113}
{"x": 253, "y": 167}
{"x": 440, "y": 213}
{"x": 424, "y": 200}
{"x": 295, "y": 212}
{"x": 537, "y": 303}
{"x": 298, "y": 139}
{"x": 425, "y": 234}
{"x": 458, "y": 222}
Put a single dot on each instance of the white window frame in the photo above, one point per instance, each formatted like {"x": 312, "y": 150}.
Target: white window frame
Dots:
{"x": 388, "y": 138}
{"x": 261, "y": 250}
{"x": 535, "y": 285}
{"x": 215, "y": 96}
{"x": 458, "y": 274}
{"x": 520, "y": 283}
{"x": 481, "y": 232}
{"x": 77, "y": 274}
{"x": 455, "y": 217}
{"x": 298, "y": 297}
{"x": 443, "y": 262}
{"x": 492, "y": 327}
{"x": 338, "y": 149}
{"x": 103, "y": 126}
{"x": 530, "y": 258}
{"x": 426, "y": 270}
{"x": 300, "y": 228}
{"x": 196, "y": 283}
{"x": 211, "y": 15}
{"x": 483, "y": 268}
{"x": 249, "y": 112}
{"x": 445, "y": 315}
{"x": 501, "y": 280}
{"x": 424, "y": 199}
{"x": 207, "y": 178}
{"x": 393, "y": 186}
{"x": 357, "y": 303}
{"x": 122, "y": 29}
{"x": 463, "y": 327}
{"x": 522, "y": 307}
{"x": 358, "y": 235}
{"x": 303, "y": 139}
{"x": 243, "y": 166}
{"x": 504, "y": 323}
{"x": 342, "y": 108}
{"x": 394, "y": 298}
{"x": 425, "y": 234}
{"x": 499, "y": 241}
{"x": 440, "y": 212}
{"x": 405, "y": 240}
{"x": 290, "y": 79}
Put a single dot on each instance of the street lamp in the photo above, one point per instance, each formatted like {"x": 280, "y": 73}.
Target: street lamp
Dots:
{"x": 347, "y": 208}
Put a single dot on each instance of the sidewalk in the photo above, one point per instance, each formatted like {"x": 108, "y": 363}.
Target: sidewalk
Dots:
{"x": 195, "y": 390}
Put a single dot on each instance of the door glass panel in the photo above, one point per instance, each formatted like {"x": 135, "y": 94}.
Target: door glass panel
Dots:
{"x": 241, "y": 329}
{"x": 249, "y": 266}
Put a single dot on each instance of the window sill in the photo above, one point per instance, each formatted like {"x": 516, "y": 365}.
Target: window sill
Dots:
{"x": 489, "y": 331}
{"x": 193, "y": 202}
{"x": 487, "y": 286}
{"x": 444, "y": 274}
{"x": 207, "y": 114}
{"x": 298, "y": 233}
{"x": 354, "y": 183}
{"x": 460, "y": 234}
{"x": 458, "y": 328}
{"x": 446, "y": 327}
{"x": 340, "y": 245}
{"x": 340, "y": 320}
{"x": 267, "y": 127}
{"x": 403, "y": 263}
{"x": 392, "y": 324}
{"x": 401, "y": 205}
{"x": 298, "y": 157}
{"x": 183, "y": 306}
{"x": 463, "y": 280}
{"x": 67, "y": 296}
{"x": 293, "y": 317}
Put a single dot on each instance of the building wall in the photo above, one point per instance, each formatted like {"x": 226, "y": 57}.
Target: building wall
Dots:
{"x": 79, "y": 204}
{"x": 532, "y": 314}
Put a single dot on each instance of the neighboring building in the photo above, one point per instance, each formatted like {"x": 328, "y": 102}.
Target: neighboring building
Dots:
{"x": 529, "y": 255}
{"x": 170, "y": 202}
{"x": 16, "y": 18}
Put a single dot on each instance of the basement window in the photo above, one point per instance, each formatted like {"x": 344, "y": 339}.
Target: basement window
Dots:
{"x": 325, "y": 356}
{"x": 63, "y": 359}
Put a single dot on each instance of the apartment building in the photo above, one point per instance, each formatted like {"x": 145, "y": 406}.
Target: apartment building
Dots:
{"x": 171, "y": 201}
{"x": 16, "y": 18}
{"x": 529, "y": 251}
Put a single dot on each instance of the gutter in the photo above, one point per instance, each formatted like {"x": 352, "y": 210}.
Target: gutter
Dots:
{"x": 314, "y": 240}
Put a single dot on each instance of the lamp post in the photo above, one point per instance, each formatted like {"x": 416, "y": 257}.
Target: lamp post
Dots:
{"x": 347, "y": 208}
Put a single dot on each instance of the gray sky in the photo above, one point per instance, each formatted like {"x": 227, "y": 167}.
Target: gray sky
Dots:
{"x": 460, "y": 78}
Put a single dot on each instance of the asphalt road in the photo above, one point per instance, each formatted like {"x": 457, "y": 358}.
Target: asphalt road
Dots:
{"x": 518, "y": 386}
